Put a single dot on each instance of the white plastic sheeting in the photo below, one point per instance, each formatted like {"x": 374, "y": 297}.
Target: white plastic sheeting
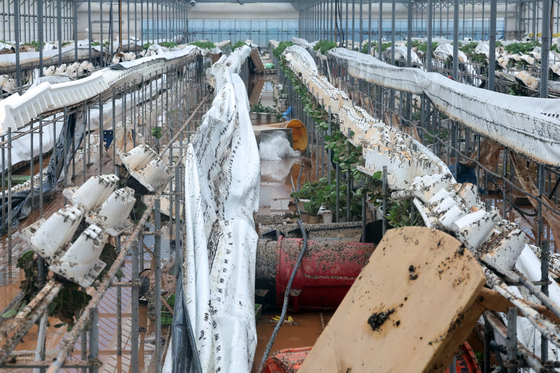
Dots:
{"x": 18, "y": 110}
{"x": 527, "y": 125}
{"x": 275, "y": 146}
{"x": 221, "y": 196}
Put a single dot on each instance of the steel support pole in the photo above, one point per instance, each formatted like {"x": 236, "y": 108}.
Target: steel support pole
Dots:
{"x": 370, "y": 33}
{"x": 157, "y": 295}
{"x": 361, "y": 38}
{"x": 545, "y": 47}
{"x": 456, "y": 40}
{"x": 40, "y": 34}
{"x": 492, "y": 40}
{"x": 429, "y": 36}
{"x": 347, "y": 29}
{"x": 17, "y": 24}
{"x": 94, "y": 338}
{"x": 59, "y": 30}
{"x": 380, "y": 31}
{"x": 409, "y": 35}
{"x": 135, "y": 305}
{"x": 511, "y": 342}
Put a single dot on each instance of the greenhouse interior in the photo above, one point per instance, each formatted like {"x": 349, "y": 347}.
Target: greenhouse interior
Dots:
{"x": 206, "y": 186}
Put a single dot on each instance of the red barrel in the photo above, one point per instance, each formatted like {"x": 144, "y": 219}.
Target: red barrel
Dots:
{"x": 326, "y": 273}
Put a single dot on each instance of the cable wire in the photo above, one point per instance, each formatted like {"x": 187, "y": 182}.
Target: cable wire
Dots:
{"x": 287, "y": 293}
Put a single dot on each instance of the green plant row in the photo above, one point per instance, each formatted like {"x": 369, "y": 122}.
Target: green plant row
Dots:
{"x": 324, "y": 46}
{"x": 349, "y": 158}
{"x": 239, "y": 44}
{"x": 204, "y": 44}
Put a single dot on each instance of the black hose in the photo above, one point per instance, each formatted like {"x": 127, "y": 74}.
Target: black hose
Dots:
{"x": 287, "y": 293}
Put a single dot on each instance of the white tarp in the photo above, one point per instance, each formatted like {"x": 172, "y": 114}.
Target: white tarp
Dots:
{"x": 221, "y": 196}
{"x": 527, "y": 125}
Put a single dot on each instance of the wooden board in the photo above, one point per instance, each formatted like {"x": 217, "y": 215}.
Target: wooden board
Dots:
{"x": 409, "y": 311}
{"x": 256, "y": 57}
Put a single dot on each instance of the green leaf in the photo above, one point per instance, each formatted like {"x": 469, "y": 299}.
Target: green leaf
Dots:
{"x": 59, "y": 325}
{"x": 10, "y": 313}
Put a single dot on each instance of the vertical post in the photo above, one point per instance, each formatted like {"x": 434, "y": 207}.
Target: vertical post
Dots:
{"x": 487, "y": 341}
{"x": 361, "y": 38}
{"x": 429, "y": 41}
{"x": 119, "y": 303}
{"x": 384, "y": 223}
{"x": 75, "y": 30}
{"x": 380, "y": 31}
{"x": 347, "y": 29}
{"x": 40, "y": 34}
{"x": 157, "y": 254}
{"x": 511, "y": 342}
{"x": 120, "y": 49}
{"x": 409, "y": 35}
{"x": 353, "y": 24}
{"x": 94, "y": 339}
{"x": 337, "y": 192}
{"x": 456, "y": 39}
{"x": 178, "y": 190}
{"x": 9, "y": 220}
{"x": 370, "y": 33}
{"x": 102, "y": 46}
{"x": 41, "y": 166}
{"x": 545, "y": 254}
{"x": 135, "y": 305}
{"x": 59, "y": 30}
{"x": 17, "y": 36}
{"x": 545, "y": 47}
{"x": 492, "y": 39}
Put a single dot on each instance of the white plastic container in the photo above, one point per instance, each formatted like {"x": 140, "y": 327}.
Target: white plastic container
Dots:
{"x": 94, "y": 191}
{"x": 47, "y": 237}
{"x": 115, "y": 211}
{"x": 81, "y": 262}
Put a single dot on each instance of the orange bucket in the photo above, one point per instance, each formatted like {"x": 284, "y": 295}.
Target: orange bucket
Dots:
{"x": 286, "y": 360}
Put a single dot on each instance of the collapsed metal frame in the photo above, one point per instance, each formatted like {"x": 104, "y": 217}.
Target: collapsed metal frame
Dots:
{"x": 180, "y": 100}
{"x": 58, "y": 20}
{"x": 324, "y": 20}
{"x": 454, "y": 143}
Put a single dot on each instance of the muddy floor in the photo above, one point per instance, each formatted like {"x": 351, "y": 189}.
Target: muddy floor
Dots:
{"x": 302, "y": 332}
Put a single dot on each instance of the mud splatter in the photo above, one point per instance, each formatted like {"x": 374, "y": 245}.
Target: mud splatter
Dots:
{"x": 378, "y": 318}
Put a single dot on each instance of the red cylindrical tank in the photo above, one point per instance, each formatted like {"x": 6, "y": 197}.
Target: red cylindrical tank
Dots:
{"x": 326, "y": 273}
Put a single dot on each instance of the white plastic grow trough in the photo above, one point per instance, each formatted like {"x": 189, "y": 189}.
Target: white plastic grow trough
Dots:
{"x": 48, "y": 237}
{"x": 81, "y": 262}
{"x": 114, "y": 212}
{"x": 145, "y": 166}
{"x": 94, "y": 191}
